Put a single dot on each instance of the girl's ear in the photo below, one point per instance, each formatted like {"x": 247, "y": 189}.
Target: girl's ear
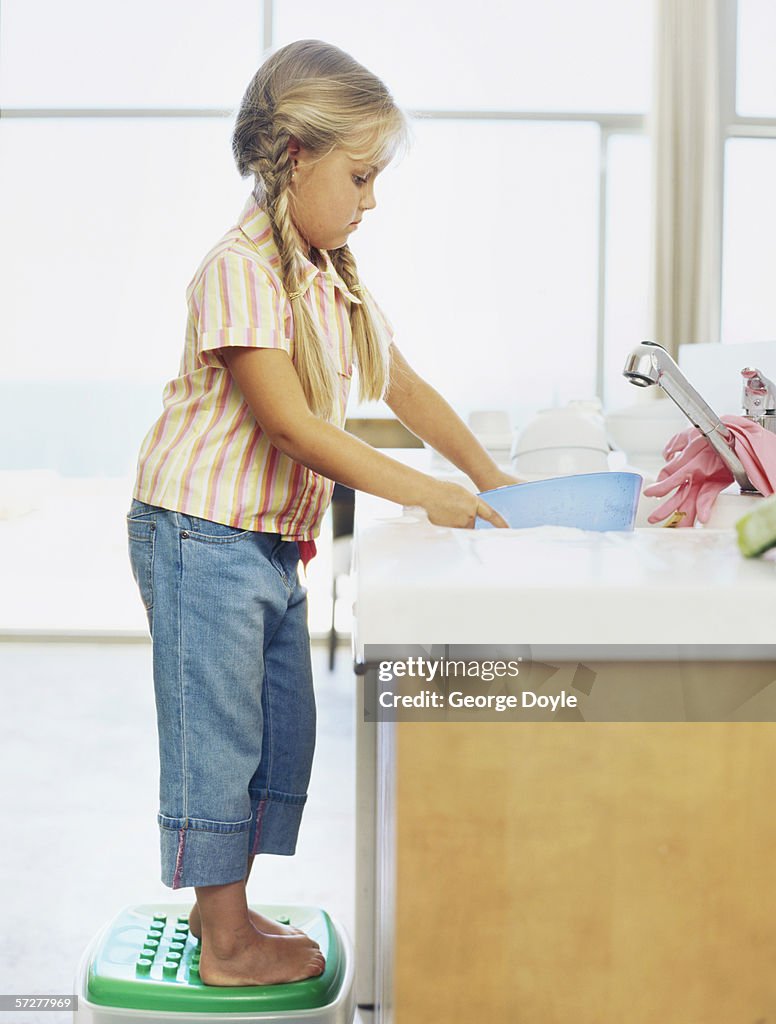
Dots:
{"x": 294, "y": 148}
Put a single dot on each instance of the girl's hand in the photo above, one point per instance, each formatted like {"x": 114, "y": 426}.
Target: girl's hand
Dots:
{"x": 448, "y": 504}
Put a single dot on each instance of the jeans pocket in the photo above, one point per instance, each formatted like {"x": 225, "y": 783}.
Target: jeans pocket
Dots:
{"x": 214, "y": 533}
{"x": 141, "y": 534}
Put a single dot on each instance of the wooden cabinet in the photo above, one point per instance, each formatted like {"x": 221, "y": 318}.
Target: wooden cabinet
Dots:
{"x": 579, "y": 873}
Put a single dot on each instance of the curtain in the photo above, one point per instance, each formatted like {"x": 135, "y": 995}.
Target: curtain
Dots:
{"x": 686, "y": 136}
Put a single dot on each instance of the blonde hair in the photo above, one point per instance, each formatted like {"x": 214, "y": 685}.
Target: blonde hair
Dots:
{"x": 318, "y": 95}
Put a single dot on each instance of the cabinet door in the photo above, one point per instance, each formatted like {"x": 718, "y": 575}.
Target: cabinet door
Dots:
{"x": 582, "y": 873}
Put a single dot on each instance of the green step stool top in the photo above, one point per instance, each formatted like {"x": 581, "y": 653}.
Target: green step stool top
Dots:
{"x": 145, "y": 959}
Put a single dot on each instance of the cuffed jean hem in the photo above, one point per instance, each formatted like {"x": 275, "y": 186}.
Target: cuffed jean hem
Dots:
{"x": 200, "y": 852}
{"x": 196, "y": 852}
{"x": 276, "y": 822}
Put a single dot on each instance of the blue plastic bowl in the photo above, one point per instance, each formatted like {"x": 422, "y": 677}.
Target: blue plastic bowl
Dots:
{"x": 588, "y": 501}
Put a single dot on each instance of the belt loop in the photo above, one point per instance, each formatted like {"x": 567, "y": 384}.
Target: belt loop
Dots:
{"x": 182, "y": 521}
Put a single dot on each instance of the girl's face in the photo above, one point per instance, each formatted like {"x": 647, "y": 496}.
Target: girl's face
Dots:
{"x": 329, "y": 195}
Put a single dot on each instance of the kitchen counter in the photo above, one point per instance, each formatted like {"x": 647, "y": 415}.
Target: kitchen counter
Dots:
{"x": 422, "y": 584}
{"x": 558, "y": 870}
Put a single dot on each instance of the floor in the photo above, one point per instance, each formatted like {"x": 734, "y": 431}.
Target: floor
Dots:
{"x": 79, "y": 763}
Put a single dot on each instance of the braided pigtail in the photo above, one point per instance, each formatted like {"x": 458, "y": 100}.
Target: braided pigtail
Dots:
{"x": 313, "y": 363}
{"x": 369, "y": 344}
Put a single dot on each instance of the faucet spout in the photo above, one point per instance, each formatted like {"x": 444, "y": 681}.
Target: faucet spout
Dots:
{"x": 648, "y": 364}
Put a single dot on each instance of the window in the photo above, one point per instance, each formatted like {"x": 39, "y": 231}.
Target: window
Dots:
{"x": 755, "y": 70}
{"x": 469, "y": 270}
{"x": 88, "y": 54}
{"x": 111, "y": 151}
{"x": 116, "y": 177}
{"x": 749, "y": 255}
{"x": 522, "y": 178}
{"x": 749, "y": 229}
{"x": 506, "y": 55}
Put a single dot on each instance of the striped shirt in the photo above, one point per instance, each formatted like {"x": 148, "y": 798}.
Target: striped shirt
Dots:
{"x": 206, "y": 455}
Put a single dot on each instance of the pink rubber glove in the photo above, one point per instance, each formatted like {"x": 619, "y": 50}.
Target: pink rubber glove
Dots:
{"x": 693, "y": 498}
{"x": 756, "y": 448}
{"x": 697, "y": 474}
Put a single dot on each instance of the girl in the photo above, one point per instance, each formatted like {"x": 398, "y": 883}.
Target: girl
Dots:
{"x": 236, "y": 474}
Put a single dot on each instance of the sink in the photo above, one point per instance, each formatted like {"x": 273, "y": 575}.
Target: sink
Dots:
{"x": 728, "y": 509}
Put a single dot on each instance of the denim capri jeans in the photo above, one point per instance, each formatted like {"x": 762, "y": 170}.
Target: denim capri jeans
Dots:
{"x": 233, "y": 685}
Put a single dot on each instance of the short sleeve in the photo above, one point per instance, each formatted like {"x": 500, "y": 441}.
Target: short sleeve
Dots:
{"x": 238, "y": 305}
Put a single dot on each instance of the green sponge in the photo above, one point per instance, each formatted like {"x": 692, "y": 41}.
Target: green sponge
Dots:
{"x": 757, "y": 529}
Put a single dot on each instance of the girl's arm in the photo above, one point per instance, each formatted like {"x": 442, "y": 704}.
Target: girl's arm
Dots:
{"x": 427, "y": 414}
{"x": 270, "y": 385}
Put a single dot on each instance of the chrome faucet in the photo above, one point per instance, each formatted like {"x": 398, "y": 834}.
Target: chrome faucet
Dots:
{"x": 648, "y": 364}
{"x": 759, "y": 398}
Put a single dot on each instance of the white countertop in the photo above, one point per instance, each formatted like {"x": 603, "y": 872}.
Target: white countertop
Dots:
{"x": 422, "y": 584}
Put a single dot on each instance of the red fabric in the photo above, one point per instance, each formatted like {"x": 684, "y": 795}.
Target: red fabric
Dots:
{"x": 307, "y": 550}
{"x": 696, "y": 474}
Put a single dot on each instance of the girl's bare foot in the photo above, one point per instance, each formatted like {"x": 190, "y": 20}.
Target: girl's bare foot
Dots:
{"x": 259, "y": 922}
{"x": 250, "y": 957}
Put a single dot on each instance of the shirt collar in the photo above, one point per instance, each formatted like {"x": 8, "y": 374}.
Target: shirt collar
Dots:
{"x": 255, "y": 224}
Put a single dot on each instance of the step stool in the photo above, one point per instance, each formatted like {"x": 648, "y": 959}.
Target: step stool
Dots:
{"x": 143, "y": 968}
